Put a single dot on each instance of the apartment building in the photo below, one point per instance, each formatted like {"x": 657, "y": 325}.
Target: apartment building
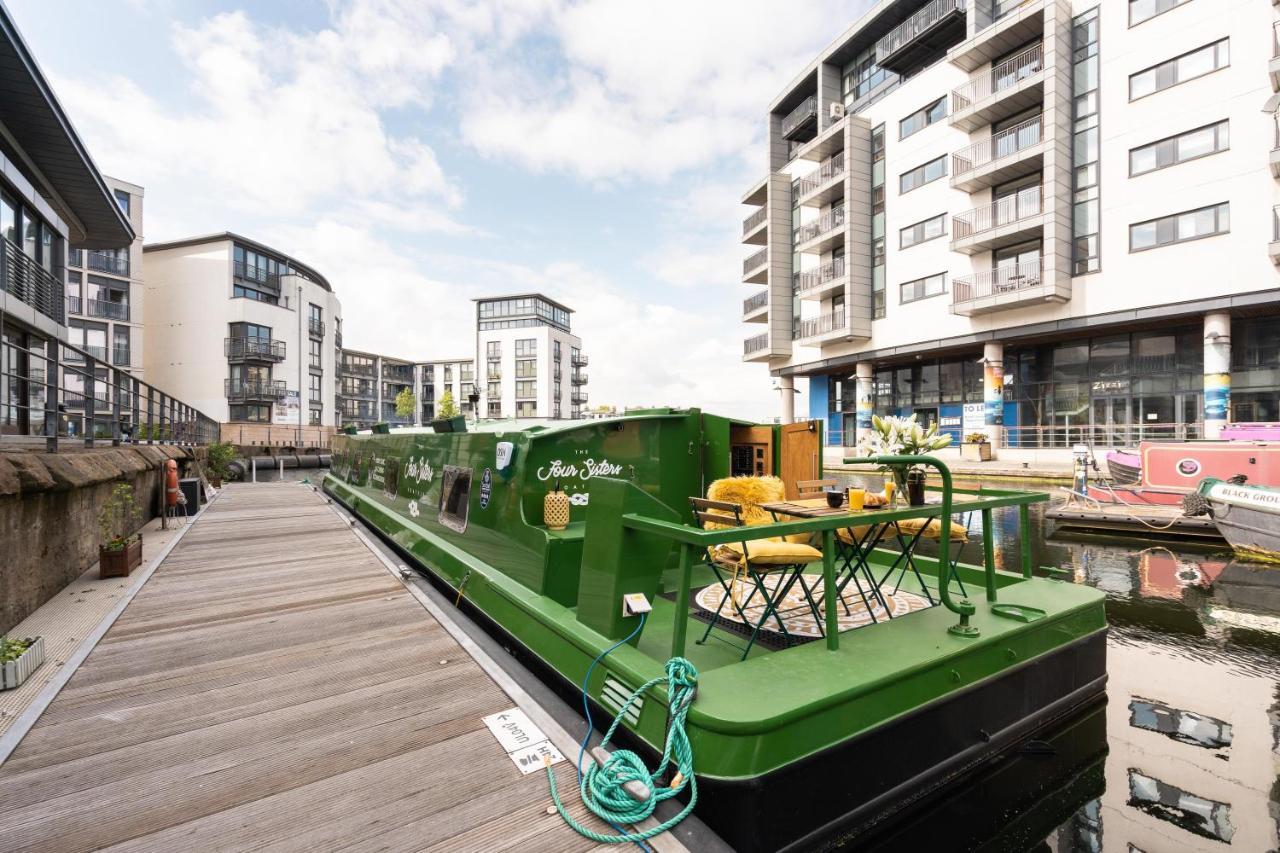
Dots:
{"x": 105, "y": 291}
{"x": 1049, "y": 220}
{"x": 53, "y": 201}
{"x": 368, "y": 384}
{"x": 244, "y": 332}
{"x": 531, "y": 360}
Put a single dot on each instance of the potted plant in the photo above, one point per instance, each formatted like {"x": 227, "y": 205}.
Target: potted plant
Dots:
{"x": 976, "y": 447}
{"x": 18, "y": 659}
{"x": 895, "y": 436}
{"x": 221, "y": 456}
{"x": 120, "y": 550}
{"x": 448, "y": 418}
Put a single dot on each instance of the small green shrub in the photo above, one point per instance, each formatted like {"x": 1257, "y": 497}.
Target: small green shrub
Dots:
{"x": 221, "y": 455}
{"x": 12, "y": 648}
{"x": 119, "y": 516}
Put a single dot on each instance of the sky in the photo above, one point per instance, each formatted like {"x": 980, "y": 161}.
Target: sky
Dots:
{"x": 420, "y": 153}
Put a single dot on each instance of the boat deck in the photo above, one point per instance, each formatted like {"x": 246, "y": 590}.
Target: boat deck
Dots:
{"x": 1154, "y": 520}
{"x": 274, "y": 686}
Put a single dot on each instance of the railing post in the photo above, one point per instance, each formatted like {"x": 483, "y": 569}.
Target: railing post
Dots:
{"x": 988, "y": 554}
{"x": 681, "y": 627}
{"x": 115, "y": 406}
{"x": 1024, "y": 533}
{"x": 52, "y": 382}
{"x": 829, "y": 601}
{"x": 88, "y": 383}
{"x": 136, "y": 384}
{"x": 151, "y": 414}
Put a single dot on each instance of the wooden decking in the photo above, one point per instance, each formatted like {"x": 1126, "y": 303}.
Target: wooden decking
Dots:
{"x": 273, "y": 687}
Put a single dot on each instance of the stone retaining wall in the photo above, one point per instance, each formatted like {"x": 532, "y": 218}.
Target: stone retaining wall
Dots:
{"x": 49, "y": 505}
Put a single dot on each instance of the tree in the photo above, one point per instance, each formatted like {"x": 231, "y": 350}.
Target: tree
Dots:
{"x": 448, "y": 408}
{"x": 406, "y": 403}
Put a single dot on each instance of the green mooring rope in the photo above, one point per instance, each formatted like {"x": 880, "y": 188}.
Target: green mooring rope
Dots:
{"x": 601, "y": 785}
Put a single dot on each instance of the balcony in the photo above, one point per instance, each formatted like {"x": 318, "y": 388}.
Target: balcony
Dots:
{"x": 1275, "y": 235}
{"x": 934, "y": 28}
{"x": 802, "y": 119}
{"x": 1012, "y": 219}
{"x": 755, "y": 309}
{"x": 254, "y": 390}
{"x": 75, "y": 305}
{"x": 359, "y": 392}
{"x": 252, "y": 274}
{"x": 27, "y": 281}
{"x": 813, "y": 284}
{"x": 753, "y": 227}
{"x": 755, "y": 347}
{"x": 107, "y": 309}
{"x": 108, "y": 262}
{"x": 578, "y": 398}
{"x": 1011, "y": 286}
{"x": 822, "y": 234}
{"x": 999, "y": 27}
{"x": 348, "y": 369}
{"x": 98, "y": 352}
{"x": 120, "y": 356}
{"x": 823, "y": 185}
{"x": 755, "y": 269}
{"x": 833, "y": 324}
{"x": 493, "y": 375}
{"x": 253, "y": 349}
{"x": 315, "y": 328}
{"x": 1011, "y": 87}
{"x": 1012, "y": 153}
{"x": 1274, "y": 65}
{"x": 578, "y": 360}
{"x": 579, "y": 379}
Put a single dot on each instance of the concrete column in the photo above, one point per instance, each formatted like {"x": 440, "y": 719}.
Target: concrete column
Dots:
{"x": 417, "y": 395}
{"x": 993, "y": 390}
{"x": 787, "y": 387}
{"x": 864, "y": 394}
{"x": 1217, "y": 372}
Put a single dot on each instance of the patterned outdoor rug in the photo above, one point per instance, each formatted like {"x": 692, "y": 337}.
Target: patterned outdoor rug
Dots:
{"x": 795, "y": 610}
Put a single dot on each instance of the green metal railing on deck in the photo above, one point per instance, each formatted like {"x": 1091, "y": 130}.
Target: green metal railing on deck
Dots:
{"x": 691, "y": 538}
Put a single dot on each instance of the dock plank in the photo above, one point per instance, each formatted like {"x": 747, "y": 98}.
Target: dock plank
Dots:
{"x": 272, "y": 687}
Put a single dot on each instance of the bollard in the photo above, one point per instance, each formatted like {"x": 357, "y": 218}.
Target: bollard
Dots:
{"x": 253, "y": 466}
{"x": 281, "y": 474}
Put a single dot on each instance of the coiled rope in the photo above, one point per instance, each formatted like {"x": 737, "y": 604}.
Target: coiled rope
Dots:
{"x": 601, "y": 785}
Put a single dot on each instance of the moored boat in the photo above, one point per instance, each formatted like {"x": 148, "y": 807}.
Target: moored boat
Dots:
{"x": 1248, "y": 516}
{"x": 1164, "y": 472}
{"x": 811, "y": 732}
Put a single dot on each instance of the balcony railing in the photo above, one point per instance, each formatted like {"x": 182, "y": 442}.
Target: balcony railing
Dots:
{"x": 254, "y": 389}
{"x": 833, "y": 321}
{"x": 120, "y": 356}
{"x": 829, "y": 221}
{"x": 1023, "y": 204}
{"x": 832, "y": 167}
{"x": 315, "y": 328}
{"x": 578, "y": 398}
{"x": 996, "y": 282}
{"x": 755, "y": 303}
{"x": 755, "y": 344}
{"x": 749, "y": 224}
{"x": 110, "y": 310}
{"x": 357, "y": 369}
{"x": 362, "y": 392}
{"x": 579, "y": 379}
{"x": 756, "y": 260}
{"x": 796, "y": 119}
{"x": 916, "y": 25}
{"x": 494, "y": 375}
{"x": 813, "y": 279}
{"x": 253, "y": 274}
{"x": 579, "y": 360}
{"x": 1005, "y": 75}
{"x": 75, "y": 258}
{"x": 75, "y": 305}
{"x": 108, "y": 262}
{"x": 98, "y": 352}
{"x": 1004, "y": 144}
{"x": 31, "y": 283}
{"x": 260, "y": 349}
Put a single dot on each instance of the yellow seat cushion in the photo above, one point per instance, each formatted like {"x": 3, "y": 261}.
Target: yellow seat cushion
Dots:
{"x": 749, "y": 493}
{"x": 770, "y": 552}
{"x": 852, "y": 535}
{"x": 909, "y": 526}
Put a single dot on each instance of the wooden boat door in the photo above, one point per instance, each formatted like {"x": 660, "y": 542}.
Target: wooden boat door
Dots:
{"x": 799, "y": 454}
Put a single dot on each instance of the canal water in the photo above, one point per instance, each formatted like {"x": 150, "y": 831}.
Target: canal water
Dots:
{"x": 1186, "y": 754}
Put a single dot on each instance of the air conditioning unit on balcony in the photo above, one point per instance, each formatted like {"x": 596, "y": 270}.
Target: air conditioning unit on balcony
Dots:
{"x": 837, "y": 110}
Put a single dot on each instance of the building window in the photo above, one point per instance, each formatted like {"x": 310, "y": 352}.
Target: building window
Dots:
{"x": 922, "y": 231}
{"x": 526, "y": 409}
{"x": 526, "y": 390}
{"x": 316, "y": 416}
{"x": 539, "y": 313}
{"x": 556, "y": 347}
{"x": 494, "y": 391}
{"x": 495, "y": 408}
{"x": 1191, "y": 145}
{"x": 526, "y": 367}
{"x": 316, "y": 357}
{"x": 493, "y": 349}
{"x": 1180, "y": 227}
{"x": 251, "y": 414}
{"x": 448, "y": 374}
{"x": 922, "y": 288}
{"x": 921, "y": 175}
{"x": 1143, "y": 10}
{"x": 526, "y": 347}
{"x": 1197, "y": 63}
{"x": 1085, "y": 227}
{"x": 877, "y": 224}
{"x": 922, "y": 118}
{"x": 120, "y": 354}
{"x": 313, "y": 389}
{"x": 122, "y": 199}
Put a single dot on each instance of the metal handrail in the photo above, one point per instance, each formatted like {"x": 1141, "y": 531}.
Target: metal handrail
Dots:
{"x": 828, "y": 169}
{"x": 23, "y": 278}
{"x": 78, "y": 402}
{"x": 749, "y": 224}
{"x": 1098, "y": 436}
{"x": 120, "y": 356}
{"x": 832, "y": 270}
{"x": 108, "y": 263}
{"x": 807, "y": 109}
{"x": 755, "y": 260}
{"x": 107, "y": 309}
{"x": 254, "y": 389}
{"x": 755, "y": 343}
{"x": 357, "y": 369}
{"x": 578, "y": 398}
{"x": 1005, "y": 279}
{"x": 248, "y": 347}
{"x": 579, "y": 360}
{"x": 75, "y": 305}
{"x": 755, "y": 303}
{"x": 1003, "y": 76}
{"x": 823, "y": 324}
{"x": 315, "y": 328}
{"x": 1023, "y": 204}
{"x": 578, "y": 379}
{"x": 1000, "y": 145}
{"x": 916, "y": 25}
{"x": 829, "y": 221}
{"x": 251, "y": 273}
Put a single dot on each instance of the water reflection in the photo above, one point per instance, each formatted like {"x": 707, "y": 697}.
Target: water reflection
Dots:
{"x": 1192, "y": 722}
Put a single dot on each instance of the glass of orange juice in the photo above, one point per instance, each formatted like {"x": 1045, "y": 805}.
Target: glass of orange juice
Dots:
{"x": 857, "y": 497}
{"x": 888, "y": 491}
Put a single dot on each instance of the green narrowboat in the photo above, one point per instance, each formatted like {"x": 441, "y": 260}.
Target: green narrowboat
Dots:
{"x": 807, "y": 735}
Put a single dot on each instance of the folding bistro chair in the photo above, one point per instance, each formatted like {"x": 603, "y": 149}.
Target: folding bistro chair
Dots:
{"x": 814, "y": 488}
{"x": 749, "y": 562}
{"x": 927, "y": 528}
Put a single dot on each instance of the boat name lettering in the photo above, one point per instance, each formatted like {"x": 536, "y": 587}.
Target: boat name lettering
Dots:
{"x": 568, "y": 471}
{"x": 419, "y": 470}
{"x": 1245, "y": 495}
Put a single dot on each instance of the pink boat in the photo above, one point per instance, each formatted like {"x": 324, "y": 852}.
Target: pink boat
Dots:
{"x": 1163, "y": 472}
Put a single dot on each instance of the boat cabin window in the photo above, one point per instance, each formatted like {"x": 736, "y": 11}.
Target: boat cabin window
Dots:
{"x": 455, "y": 498}
{"x": 391, "y": 477}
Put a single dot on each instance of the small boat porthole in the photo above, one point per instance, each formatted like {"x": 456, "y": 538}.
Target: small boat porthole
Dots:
{"x": 1188, "y": 467}
{"x": 455, "y": 498}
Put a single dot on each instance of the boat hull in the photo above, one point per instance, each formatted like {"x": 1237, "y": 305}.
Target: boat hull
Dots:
{"x": 1248, "y": 517}
{"x": 1163, "y": 473}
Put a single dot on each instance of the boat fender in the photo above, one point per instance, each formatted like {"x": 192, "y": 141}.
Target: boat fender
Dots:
{"x": 171, "y": 493}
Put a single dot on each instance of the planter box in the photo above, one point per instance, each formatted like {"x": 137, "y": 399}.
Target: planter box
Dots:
{"x": 14, "y": 672}
{"x": 118, "y": 564}
{"x": 454, "y": 424}
{"x": 976, "y": 452}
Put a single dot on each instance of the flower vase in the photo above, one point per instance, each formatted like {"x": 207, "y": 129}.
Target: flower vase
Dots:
{"x": 899, "y": 497}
